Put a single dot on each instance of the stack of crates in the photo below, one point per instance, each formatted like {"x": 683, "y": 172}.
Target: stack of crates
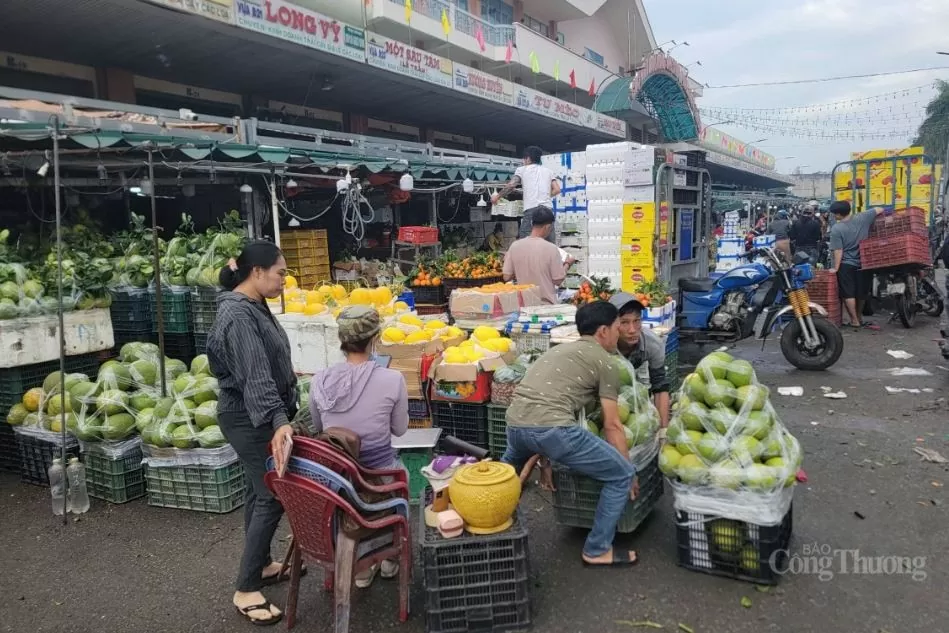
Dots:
{"x": 420, "y": 416}
{"x": 823, "y": 291}
{"x": 672, "y": 359}
{"x": 203, "y": 488}
{"x": 176, "y": 317}
{"x": 466, "y": 421}
{"x": 476, "y": 583}
{"x": 114, "y": 476}
{"x": 307, "y": 253}
{"x": 203, "y": 311}
{"x": 497, "y": 430}
{"x": 131, "y": 316}
{"x": 14, "y": 382}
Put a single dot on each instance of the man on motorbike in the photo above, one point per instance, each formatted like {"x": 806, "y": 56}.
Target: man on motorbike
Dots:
{"x": 806, "y": 232}
{"x": 642, "y": 346}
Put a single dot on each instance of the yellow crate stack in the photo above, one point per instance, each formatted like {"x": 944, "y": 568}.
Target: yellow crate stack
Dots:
{"x": 637, "y": 253}
{"x": 308, "y": 256}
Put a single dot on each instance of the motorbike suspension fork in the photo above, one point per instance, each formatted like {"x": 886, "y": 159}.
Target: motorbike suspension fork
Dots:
{"x": 801, "y": 304}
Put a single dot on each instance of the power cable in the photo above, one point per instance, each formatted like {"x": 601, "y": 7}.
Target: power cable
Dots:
{"x": 825, "y": 79}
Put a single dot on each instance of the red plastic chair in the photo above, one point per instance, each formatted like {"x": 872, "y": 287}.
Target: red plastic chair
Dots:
{"x": 329, "y": 456}
{"x": 314, "y": 511}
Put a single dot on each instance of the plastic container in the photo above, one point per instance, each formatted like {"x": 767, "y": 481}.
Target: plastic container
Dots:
{"x": 734, "y": 549}
{"x": 909, "y": 220}
{"x": 577, "y": 496}
{"x": 176, "y": 310}
{"x": 37, "y": 455}
{"x": 468, "y": 422}
{"x": 418, "y": 234}
{"x": 425, "y": 309}
{"x": 429, "y": 295}
{"x": 418, "y": 409}
{"x": 414, "y": 461}
{"x": 116, "y": 480}
{"x": 497, "y": 429}
{"x": 78, "y": 493}
{"x": 476, "y": 583}
{"x": 898, "y": 250}
{"x": 130, "y": 311}
{"x": 57, "y": 487}
{"x": 9, "y": 452}
{"x": 202, "y": 488}
{"x": 203, "y": 309}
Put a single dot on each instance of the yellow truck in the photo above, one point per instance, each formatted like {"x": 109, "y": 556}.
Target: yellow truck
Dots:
{"x": 894, "y": 178}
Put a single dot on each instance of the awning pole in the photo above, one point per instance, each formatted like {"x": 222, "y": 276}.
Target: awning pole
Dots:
{"x": 159, "y": 298}
{"x": 274, "y": 208}
{"x": 59, "y": 311}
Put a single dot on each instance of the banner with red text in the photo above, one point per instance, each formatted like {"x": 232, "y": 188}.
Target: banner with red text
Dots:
{"x": 397, "y": 57}
{"x": 293, "y": 23}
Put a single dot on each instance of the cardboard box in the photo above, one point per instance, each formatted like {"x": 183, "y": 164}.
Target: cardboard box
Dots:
{"x": 470, "y": 304}
{"x": 398, "y": 351}
{"x": 466, "y": 383}
{"x": 411, "y": 370}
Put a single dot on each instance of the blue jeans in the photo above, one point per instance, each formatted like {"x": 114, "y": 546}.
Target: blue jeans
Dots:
{"x": 585, "y": 453}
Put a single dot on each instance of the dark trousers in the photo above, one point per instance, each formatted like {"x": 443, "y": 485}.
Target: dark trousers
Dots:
{"x": 262, "y": 511}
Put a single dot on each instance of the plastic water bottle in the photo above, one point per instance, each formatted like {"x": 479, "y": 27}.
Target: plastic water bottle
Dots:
{"x": 57, "y": 487}
{"x": 78, "y": 495}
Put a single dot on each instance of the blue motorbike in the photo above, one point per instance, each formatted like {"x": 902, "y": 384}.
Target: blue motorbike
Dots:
{"x": 726, "y": 309}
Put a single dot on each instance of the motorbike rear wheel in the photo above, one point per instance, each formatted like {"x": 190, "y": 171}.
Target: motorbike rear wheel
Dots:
{"x": 906, "y": 310}
{"x": 830, "y": 345}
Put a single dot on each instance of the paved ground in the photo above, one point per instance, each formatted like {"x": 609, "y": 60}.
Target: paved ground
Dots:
{"x": 136, "y": 568}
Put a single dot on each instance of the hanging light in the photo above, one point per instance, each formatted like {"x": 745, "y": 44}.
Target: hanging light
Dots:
{"x": 341, "y": 185}
{"x": 482, "y": 202}
{"x": 145, "y": 186}
{"x": 467, "y": 185}
{"x": 406, "y": 182}
{"x": 245, "y": 188}
{"x": 102, "y": 174}
{"x": 291, "y": 184}
{"x": 212, "y": 176}
{"x": 293, "y": 223}
{"x": 43, "y": 170}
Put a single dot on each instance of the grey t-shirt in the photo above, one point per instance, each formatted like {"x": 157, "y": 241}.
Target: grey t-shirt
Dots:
{"x": 651, "y": 350}
{"x": 846, "y": 235}
{"x": 779, "y": 228}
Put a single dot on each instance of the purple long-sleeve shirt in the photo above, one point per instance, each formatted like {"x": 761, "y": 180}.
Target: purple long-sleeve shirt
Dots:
{"x": 367, "y": 399}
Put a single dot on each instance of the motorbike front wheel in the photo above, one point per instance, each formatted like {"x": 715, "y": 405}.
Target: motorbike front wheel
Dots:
{"x": 828, "y": 350}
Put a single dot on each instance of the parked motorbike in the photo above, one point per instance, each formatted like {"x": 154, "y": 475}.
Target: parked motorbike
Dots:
{"x": 912, "y": 289}
{"x": 726, "y": 309}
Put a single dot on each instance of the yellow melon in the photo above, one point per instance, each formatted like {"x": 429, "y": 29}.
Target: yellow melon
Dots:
{"x": 360, "y": 297}
{"x": 339, "y": 292}
{"x": 401, "y": 306}
{"x": 326, "y": 291}
{"x": 455, "y": 332}
{"x": 435, "y": 325}
{"x": 416, "y": 337}
{"x": 393, "y": 335}
{"x": 485, "y": 333}
{"x": 381, "y": 295}
{"x": 312, "y": 309}
{"x": 32, "y": 399}
{"x": 468, "y": 343}
{"x": 290, "y": 282}
{"x": 411, "y": 319}
{"x": 295, "y": 307}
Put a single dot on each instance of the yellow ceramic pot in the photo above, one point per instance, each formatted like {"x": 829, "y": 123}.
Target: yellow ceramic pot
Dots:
{"x": 485, "y": 495}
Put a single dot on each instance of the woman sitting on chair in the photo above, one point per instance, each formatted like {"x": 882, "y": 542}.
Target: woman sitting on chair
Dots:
{"x": 367, "y": 399}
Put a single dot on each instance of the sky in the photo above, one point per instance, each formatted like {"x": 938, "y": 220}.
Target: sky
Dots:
{"x": 750, "y": 41}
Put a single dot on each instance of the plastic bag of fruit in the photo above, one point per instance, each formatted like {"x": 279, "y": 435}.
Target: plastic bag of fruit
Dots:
{"x": 727, "y": 452}
{"x": 637, "y": 413}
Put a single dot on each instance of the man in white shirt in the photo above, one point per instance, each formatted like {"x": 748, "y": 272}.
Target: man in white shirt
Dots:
{"x": 539, "y": 186}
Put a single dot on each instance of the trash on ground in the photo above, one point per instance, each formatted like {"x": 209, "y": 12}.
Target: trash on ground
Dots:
{"x": 746, "y": 602}
{"x": 640, "y": 623}
{"x": 814, "y": 422}
{"x": 826, "y": 389}
{"x": 899, "y": 354}
{"x": 686, "y": 628}
{"x": 907, "y": 371}
{"x": 929, "y": 455}
{"x": 901, "y": 389}
{"x": 836, "y": 395}
{"x": 858, "y": 515}
{"x": 791, "y": 391}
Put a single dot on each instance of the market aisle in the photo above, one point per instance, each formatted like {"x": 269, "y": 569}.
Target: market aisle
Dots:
{"x": 136, "y": 568}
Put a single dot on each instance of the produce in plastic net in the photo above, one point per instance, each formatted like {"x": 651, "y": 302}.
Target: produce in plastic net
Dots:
{"x": 725, "y": 438}
{"x": 637, "y": 413}
{"x": 125, "y": 400}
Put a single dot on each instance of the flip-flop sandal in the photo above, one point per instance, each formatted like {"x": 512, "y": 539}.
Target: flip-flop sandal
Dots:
{"x": 265, "y": 606}
{"x": 279, "y": 578}
{"x": 620, "y": 559}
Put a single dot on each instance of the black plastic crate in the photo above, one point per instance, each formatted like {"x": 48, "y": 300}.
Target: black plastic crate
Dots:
{"x": 176, "y": 310}
{"x": 9, "y": 451}
{"x": 130, "y": 311}
{"x": 429, "y": 295}
{"x": 418, "y": 409}
{"x": 476, "y": 583}
{"x": 468, "y": 422}
{"x": 203, "y": 309}
{"x": 180, "y": 346}
{"x": 37, "y": 455}
{"x": 497, "y": 430}
{"x": 734, "y": 549}
{"x": 200, "y": 344}
{"x": 143, "y": 335}
{"x": 576, "y": 497}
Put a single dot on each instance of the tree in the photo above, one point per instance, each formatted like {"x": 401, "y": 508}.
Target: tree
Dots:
{"x": 933, "y": 133}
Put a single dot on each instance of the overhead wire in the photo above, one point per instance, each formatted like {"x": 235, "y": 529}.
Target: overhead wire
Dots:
{"x": 826, "y": 79}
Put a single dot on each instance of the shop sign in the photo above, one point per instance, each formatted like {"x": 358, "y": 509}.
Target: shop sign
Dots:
{"x": 397, "y": 57}
{"x": 293, "y": 23}
{"x": 609, "y": 125}
{"x": 480, "y": 84}
{"x": 221, "y": 10}
{"x": 539, "y": 103}
{"x": 722, "y": 143}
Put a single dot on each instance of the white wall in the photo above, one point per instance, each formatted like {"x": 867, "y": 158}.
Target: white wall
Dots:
{"x": 549, "y": 51}
{"x": 595, "y": 33}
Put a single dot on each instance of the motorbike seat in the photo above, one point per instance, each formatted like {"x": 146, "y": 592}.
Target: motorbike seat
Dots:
{"x": 696, "y": 284}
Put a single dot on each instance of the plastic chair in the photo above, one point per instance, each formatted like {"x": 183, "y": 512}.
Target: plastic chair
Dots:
{"x": 313, "y": 510}
{"x": 315, "y": 471}
{"x": 337, "y": 461}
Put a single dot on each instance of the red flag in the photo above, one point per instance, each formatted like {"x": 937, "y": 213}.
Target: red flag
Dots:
{"x": 592, "y": 88}
{"x": 479, "y": 36}
{"x": 509, "y": 53}
{"x": 573, "y": 79}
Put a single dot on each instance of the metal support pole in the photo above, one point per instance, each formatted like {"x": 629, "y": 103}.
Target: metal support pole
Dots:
{"x": 159, "y": 299}
{"x": 59, "y": 310}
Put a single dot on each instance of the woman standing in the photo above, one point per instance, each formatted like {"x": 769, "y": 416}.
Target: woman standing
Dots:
{"x": 367, "y": 399}
{"x": 249, "y": 354}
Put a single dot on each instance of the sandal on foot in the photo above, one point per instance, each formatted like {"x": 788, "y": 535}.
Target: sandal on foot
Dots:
{"x": 277, "y": 578}
{"x": 265, "y": 606}
{"x": 620, "y": 559}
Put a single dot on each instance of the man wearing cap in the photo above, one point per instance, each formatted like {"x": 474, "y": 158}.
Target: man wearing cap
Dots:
{"x": 806, "y": 233}
{"x": 643, "y": 346}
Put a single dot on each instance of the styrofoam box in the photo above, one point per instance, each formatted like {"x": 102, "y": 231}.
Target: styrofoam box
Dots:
{"x": 314, "y": 343}
{"x": 765, "y": 240}
{"x": 33, "y": 340}
{"x": 645, "y": 193}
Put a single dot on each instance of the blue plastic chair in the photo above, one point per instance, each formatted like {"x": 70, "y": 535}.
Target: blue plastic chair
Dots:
{"x": 340, "y": 485}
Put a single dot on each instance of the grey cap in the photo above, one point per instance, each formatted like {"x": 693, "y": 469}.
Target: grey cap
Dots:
{"x": 358, "y": 323}
{"x": 621, "y": 299}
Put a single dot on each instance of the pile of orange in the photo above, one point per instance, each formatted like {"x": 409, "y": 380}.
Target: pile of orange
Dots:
{"x": 479, "y": 266}
{"x": 425, "y": 277}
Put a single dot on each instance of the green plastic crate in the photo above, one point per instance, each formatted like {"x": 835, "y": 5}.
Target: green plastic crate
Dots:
{"x": 414, "y": 461}
{"x": 116, "y": 480}
{"x": 202, "y": 488}
{"x": 497, "y": 430}
{"x": 176, "y": 310}
{"x": 672, "y": 370}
